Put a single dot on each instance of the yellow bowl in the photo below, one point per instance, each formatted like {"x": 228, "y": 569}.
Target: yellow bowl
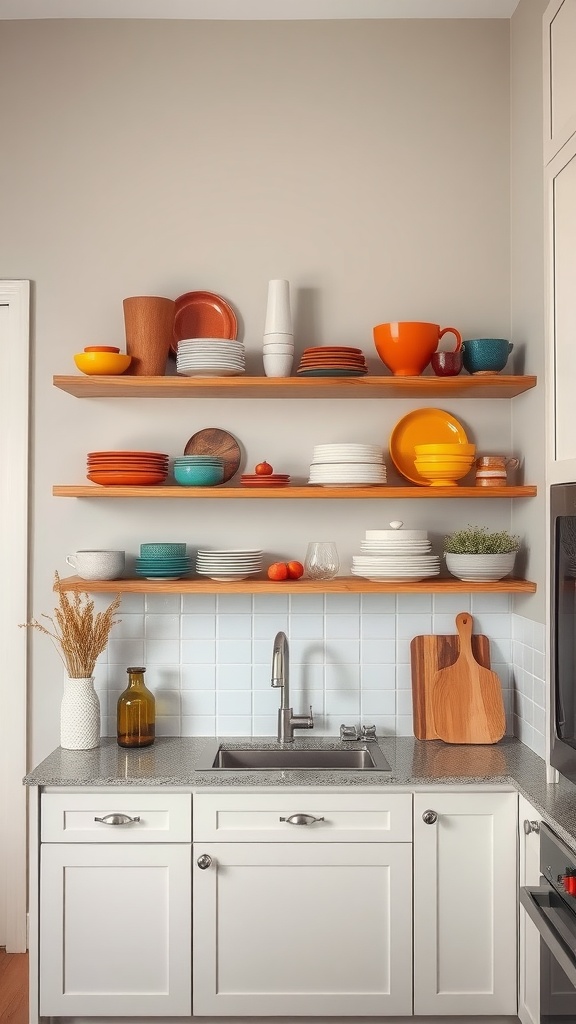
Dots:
{"x": 105, "y": 363}
{"x": 442, "y": 474}
{"x": 429, "y": 460}
{"x": 445, "y": 449}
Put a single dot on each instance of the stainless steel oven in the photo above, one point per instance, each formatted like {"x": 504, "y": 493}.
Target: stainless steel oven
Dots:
{"x": 552, "y": 908}
{"x": 563, "y": 629}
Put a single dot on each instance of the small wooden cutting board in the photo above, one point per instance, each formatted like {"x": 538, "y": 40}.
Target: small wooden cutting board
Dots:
{"x": 428, "y": 654}
{"x": 467, "y": 705}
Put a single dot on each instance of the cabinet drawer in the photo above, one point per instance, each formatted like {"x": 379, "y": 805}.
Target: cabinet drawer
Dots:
{"x": 71, "y": 818}
{"x": 250, "y": 817}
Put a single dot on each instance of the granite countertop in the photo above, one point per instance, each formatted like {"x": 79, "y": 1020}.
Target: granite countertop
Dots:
{"x": 172, "y": 761}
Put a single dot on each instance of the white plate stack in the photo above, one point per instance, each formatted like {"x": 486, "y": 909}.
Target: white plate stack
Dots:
{"x": 210, "y": 357}
{"x": 229, "y": 564}
{"x": 347, "y": 465}
{"x": 395, "y": 556}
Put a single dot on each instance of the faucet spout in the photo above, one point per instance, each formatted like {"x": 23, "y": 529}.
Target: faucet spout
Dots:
{"x": 287, "y": 720}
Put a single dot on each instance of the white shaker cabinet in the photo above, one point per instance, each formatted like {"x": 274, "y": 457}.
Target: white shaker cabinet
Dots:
{"x": 115, "y": 905}
{"x": 465, "y": 898}
{"x": 528, "y": 935}
{"x": 559, "y": 75}
{"x": 303, "y": 921}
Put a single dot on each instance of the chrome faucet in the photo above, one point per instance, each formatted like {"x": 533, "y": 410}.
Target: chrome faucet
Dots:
{"x": 287, "y": 720}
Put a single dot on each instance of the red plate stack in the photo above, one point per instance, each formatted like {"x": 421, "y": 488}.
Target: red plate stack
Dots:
{"x": 127, "y": 468}
{"x": 273, "y": 480}
{"x": 332, "y": 361}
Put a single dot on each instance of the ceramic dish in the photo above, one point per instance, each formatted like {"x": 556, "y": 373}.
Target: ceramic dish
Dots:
{"x": 214, "y": 441}
{"x": 422, "y": 426}
{"x": 125, "y": 479}
{"x": 203, "y": 315}
{"x": 336, "y": 372}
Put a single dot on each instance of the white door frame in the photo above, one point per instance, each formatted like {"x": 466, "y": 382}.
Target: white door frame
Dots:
{"x": 14, "y": 431}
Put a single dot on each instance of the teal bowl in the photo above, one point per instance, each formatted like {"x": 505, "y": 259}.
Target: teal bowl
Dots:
{"x": 162, "y": 550}
{"x": 198, "y": 475}
{"x": 485, "y": 355}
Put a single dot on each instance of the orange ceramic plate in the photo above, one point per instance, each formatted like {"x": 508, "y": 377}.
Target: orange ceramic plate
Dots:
{"x": 422, "y": 426}
{"x": 127, "y": 478}
{"x": 203, "y": 315}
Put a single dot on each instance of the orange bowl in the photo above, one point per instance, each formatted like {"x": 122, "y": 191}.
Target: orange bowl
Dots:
{"x": 406, "y": 347}
{"x": 105, "y": 363}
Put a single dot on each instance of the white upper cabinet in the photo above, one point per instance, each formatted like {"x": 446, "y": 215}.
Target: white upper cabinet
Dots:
{"x": 559, "y": 75}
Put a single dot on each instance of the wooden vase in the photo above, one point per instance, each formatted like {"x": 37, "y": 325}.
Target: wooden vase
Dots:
{"x": 149, "y": 324}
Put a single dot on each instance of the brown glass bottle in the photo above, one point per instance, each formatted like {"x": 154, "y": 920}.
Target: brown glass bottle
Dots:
{"x": 136, "y": 716}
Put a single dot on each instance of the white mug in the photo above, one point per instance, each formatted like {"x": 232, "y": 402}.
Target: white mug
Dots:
{"x": 98, "y": 565}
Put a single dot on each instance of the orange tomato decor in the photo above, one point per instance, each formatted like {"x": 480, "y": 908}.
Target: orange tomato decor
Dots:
{"x": 295, "y": 570}
{"x": 278, "y": 571}
{"x": 264, "y": 469}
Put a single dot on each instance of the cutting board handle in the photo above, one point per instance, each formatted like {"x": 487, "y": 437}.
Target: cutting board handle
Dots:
{"x": 464, "y": 623}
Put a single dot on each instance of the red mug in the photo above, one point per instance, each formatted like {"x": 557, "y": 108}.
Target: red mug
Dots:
{"x": 447, "y": 364}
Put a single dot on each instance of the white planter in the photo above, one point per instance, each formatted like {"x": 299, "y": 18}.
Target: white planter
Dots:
{"x": 480, "y": 568}
{"x": 79, "y": 715}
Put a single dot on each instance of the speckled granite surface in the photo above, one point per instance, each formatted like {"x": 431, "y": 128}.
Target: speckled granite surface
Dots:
{"x": 172, "y": 761}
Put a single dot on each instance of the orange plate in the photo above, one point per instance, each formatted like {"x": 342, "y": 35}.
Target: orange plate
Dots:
{"x": 125, "y": 478}
{"x": 262, "y": 482}
{"x": 129, "y": 455}
{"x": 203, "y": 315}
{"x": 126, "y": 467}
{"x": 260, "y": 478}
{"x": 334, "y": 348}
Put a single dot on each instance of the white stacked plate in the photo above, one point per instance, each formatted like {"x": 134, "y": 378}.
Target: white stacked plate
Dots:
{"x": 395, "y": 555}
{"x": 210, "y": 357}
{"x": 347, "y": 465}
{"x": 229, "y": 564}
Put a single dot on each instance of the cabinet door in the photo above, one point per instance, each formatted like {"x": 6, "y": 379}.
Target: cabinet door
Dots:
{"x": 561, "y": 199}
{"x": 115, "y": 929}
{"x": 559, "y": 75}
{"x": 528, "y": 936}
{"x": 465, "y": 899}
{"x": 306, "y": 929}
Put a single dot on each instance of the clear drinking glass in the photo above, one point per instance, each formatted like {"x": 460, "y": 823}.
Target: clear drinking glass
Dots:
{"x": 322, "y": 562}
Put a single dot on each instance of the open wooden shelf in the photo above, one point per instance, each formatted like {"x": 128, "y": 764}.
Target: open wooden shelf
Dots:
{"x": 463, "y": 386}
{"x": 175, "y": 491}
{"x": 339, "y": 585}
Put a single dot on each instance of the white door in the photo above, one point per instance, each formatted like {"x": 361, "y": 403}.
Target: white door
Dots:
{"x": 561, "y": 199}
{"x": 14, "y": 347}
{"x": 465, "y": 899}
{"x": 307, "y": 929}
{"x": 115, "y": 929}
{"x": 528, "y": 935}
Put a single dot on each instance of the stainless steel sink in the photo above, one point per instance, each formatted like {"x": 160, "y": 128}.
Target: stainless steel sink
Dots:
{"x": 365, "y": 758}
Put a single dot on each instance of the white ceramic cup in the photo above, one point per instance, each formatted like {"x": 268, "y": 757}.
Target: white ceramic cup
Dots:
{"x": 278, "y": 350}
{"x": 98, "y": 565}
{"x": 277, "y": 365}
{"x": 278, "y": 313}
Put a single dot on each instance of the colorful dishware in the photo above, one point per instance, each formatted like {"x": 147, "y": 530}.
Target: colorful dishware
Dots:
{"x": 406, "y": 347}
{"x": 422, "y": 426}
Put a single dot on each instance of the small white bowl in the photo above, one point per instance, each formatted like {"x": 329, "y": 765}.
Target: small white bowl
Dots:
{"x": 277, "y": 365}
{"x": 278, "y": 350}
{"x": 277, "y": 338}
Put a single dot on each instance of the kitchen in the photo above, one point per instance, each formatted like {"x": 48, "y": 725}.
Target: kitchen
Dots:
{"x": 362, "y": 200}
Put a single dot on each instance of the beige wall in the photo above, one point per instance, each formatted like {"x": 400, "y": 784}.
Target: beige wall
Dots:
{"x": 527, "y": 278}
{"x": 367, "y": 162}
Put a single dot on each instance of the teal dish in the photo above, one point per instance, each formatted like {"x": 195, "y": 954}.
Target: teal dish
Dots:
{"x": 485, "y": 355}
{"x": 327, "y": 372}
{"x": 198, "y": 475}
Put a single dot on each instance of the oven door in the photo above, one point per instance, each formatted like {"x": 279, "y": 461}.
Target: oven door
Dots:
{"x": 557, "y": 927}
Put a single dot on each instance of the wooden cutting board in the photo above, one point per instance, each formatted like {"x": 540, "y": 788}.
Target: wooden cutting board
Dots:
{"x": 214, "y": 441}
{"x": 467, "y": 704}
{"x": 427, "y": 655}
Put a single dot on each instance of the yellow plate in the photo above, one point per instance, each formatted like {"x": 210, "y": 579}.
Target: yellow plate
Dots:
{"x": 422, "y": 426}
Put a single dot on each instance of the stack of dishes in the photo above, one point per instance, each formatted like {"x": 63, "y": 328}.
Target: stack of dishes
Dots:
{"x": 442, "y": 465}
{"x": 423, "y": 427}
{"x": 395, "y": 557}
{"x": 274, "y": 480}
{"x": 198, "y": 470}
{"x": 229, "y": 564}
{"x": 347, "y": 465}
{"x": 203, "y": 315}
{"x": 210, "y": 357}
{"x": 163, "y": 561}
{"x": 332, "y": 361}
{"x": 127, "y": 468}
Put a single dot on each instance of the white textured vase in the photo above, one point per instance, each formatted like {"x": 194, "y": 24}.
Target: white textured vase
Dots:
{"x": 79, "y": 715}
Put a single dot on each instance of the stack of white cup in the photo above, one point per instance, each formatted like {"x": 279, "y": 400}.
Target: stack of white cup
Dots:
{"x": 278, "y": 337}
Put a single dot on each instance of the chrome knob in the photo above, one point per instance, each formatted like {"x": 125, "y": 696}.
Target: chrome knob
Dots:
{"x": 204, "y": 861}
{"x": 531, "y": 826}
{"x": 429, "y": 817}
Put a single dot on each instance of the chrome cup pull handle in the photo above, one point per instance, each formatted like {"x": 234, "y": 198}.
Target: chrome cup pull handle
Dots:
{"x": 301, "y": 819}
{"x": 117, "y": 819}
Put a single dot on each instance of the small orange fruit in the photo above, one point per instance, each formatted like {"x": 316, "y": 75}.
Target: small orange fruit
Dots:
{"x": 278, "y": 571}
{"x": 295, "y": 570}
{"x": 263, "y": 469}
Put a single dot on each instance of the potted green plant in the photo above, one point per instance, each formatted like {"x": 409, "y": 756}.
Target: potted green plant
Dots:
{"x": 477, "y": 555}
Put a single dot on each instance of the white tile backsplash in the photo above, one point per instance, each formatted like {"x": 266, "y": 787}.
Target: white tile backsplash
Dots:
{"x": 209, "y": 659}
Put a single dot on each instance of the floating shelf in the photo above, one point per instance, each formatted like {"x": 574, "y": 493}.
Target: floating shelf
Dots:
{"x": 217, "y": 493}
{"x": 339, "y": 585}
{"x": 496, "y": 386}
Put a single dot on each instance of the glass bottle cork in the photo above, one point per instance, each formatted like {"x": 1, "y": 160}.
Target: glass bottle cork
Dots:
{"x": 136, "y": 713}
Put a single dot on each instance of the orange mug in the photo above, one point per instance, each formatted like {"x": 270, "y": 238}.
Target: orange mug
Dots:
{"x": 491, "y": 470}
{"x": 407, "y": 347}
